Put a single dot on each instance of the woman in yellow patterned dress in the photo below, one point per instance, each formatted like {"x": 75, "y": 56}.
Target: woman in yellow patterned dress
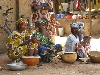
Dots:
{"x": 19, "y": 42}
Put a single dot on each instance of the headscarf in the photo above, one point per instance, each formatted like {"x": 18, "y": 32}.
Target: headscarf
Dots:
{"x": 81, "y": 26}
{"x": 41, "y": 21}
{"x": 21, "y": 20}
{"x": 74, "y": 25}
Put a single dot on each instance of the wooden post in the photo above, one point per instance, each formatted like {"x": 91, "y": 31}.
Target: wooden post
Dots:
{"x": 17, "y": 9}
{"x": 89, "y": 5}
{"x": 54, "y": 7}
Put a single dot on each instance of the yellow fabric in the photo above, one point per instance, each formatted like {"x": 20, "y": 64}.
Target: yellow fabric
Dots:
{"x": 13, "y": 42}
{"x": 21, "y": 20}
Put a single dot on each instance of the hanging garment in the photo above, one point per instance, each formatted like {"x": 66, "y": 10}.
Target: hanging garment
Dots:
{"x": 78, "y": 4}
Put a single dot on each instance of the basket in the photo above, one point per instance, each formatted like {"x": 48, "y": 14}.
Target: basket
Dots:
{"x": 31, "y": 60}
{"x": 94, "y": 56}
{"x": 69, "y": 57}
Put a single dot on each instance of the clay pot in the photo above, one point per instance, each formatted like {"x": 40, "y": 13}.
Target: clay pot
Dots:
{"x": 69, "y": 57}
{"x": 31, "y": 60}
{"x": 94, "y": 56}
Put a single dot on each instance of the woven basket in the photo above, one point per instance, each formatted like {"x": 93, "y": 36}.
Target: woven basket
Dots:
{"x": 69, "y": 57}
{"x": 94, "y": 56}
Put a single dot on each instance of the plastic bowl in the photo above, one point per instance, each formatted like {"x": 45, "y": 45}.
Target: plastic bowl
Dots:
{"x": 94, "y": 56}
{"x": 31, "y": 60}
{"x": 84, "y": 60}
{"x": 69, "y": 57}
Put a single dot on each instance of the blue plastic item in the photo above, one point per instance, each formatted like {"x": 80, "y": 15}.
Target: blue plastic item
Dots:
{"x": 58, "y": 16}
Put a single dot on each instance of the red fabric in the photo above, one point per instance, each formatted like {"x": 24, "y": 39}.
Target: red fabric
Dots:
{"x": 78, "y": 4}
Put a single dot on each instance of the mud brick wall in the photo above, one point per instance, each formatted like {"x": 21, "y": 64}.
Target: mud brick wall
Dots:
{"x": 20, "y": 7}
{"x": 6, "y": 4}
{"x": 91, "y": 27}
{"x": 66, "y": 24}
{"x": 25, "y": 9}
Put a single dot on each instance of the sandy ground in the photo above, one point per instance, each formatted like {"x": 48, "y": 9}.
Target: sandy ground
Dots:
{"x": 61, "y": 68}
{"x": 52, "y": 68}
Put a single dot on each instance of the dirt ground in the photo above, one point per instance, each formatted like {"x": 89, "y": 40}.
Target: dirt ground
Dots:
{"x": 52, "y": 68}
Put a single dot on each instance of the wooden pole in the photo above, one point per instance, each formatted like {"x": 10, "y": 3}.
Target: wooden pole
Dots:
{"x": 54, "y": 7}
{"x": 89, "y": 5}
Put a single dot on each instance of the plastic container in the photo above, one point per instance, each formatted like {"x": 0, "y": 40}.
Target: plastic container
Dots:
{"x": 61, "y": 31}
{"x": 58, "y": 16}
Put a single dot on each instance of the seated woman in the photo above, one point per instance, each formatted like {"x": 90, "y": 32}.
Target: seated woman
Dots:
{"x": 74, "y": 43}
{"x": 46, "y": 47}
{"x": 19, "y": 42}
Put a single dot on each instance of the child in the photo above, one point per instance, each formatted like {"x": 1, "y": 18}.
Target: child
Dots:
{"x": 84, "y": 47}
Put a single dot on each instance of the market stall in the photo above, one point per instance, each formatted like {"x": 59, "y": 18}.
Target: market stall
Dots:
{"x": 87, "y": 11}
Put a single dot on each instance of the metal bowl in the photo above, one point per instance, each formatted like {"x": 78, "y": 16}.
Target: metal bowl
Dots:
{"x": 16, "y": 67}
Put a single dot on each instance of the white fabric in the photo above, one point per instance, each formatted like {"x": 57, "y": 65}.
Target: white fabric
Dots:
{"x": 70, "y": 43}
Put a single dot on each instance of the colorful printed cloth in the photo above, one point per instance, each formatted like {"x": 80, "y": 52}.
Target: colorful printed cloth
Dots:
{"x": 45, "y": 43}
{"x": 14, "y": 40}
{"x": 43, "y": 39}
{"x": 37, "y": 14}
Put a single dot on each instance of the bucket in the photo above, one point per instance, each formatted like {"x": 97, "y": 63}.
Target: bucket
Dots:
{"x": 61, "y": 31}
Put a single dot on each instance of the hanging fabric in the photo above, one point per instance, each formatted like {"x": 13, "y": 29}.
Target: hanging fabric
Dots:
{"x": 78, "y": 4}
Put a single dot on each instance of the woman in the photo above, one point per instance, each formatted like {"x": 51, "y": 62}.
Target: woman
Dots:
{"x": 19, "y": 42}
{"x": 74, "y": 41}
{"x": 45, "y": 41}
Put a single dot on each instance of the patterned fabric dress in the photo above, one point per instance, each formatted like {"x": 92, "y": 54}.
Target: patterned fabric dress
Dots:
{"x": 45, "y": 43}
{"x": 14, "y": 40}
{"x": 43, "y": 39}
{"x": 37, "y": 14}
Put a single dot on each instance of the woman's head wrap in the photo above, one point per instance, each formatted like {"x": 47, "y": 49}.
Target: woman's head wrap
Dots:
{"x": 81, "y": 25}
{"x": 40, "y": 22}
{"x": 21, "y": 20}
{"x": 74, "y": 25}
